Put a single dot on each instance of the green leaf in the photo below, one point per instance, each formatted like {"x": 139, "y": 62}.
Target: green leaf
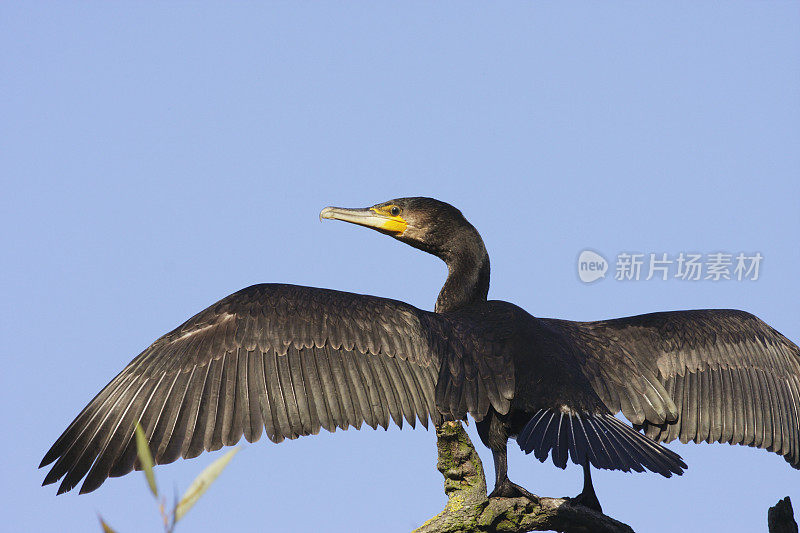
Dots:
{"x": 145, "y": 458}
{"x": 106, "y": 527}
{"x": 201, "y": 483}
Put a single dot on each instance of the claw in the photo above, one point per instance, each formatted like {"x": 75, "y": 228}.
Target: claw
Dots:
{"x": 588, "y": 500}
{"x": 507, "y": 489}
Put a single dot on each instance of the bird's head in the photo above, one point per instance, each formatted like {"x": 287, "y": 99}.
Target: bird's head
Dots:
{"x": 424, "y": 223}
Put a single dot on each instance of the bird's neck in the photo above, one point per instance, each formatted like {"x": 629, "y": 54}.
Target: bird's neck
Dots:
{"x": 468, "y": 273}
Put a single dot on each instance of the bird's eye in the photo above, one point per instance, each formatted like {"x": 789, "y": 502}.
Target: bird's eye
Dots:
{"x": 395, "y": 211}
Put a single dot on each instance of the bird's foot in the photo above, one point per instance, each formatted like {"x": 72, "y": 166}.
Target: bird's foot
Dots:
{"x": 507, "y": 489}
{"x": 587, "y": 499}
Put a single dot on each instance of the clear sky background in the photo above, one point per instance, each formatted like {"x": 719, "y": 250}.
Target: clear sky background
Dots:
{"x": 157, "y": 158}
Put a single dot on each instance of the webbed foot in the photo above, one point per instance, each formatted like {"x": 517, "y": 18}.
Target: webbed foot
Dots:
{"x": 507, "y": 489}
{"x": 588, "y": 499}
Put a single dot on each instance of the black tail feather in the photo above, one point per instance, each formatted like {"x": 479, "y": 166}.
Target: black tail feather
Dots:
{"x": 599, "y": 439}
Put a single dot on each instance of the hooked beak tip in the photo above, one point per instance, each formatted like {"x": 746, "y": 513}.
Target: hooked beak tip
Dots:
{"x": 326, "y": 213}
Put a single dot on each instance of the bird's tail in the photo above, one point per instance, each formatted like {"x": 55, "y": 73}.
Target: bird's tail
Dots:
{"x": 600, "y": 439}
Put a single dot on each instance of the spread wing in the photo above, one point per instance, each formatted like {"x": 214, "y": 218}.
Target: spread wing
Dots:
{"x": 286, "y": 359}
{"x": 704, "y": 375}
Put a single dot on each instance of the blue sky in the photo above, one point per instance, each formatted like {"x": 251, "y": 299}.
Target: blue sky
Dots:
{"x": 156, "y": 158}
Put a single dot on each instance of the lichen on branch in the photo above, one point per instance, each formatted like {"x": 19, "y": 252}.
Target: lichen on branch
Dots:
{"x": 469, "y": 509}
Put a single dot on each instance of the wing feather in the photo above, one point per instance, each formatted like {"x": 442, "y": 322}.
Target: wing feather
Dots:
{"x": 211, "y": 395}
{"x": 320, "y": 416}
{"x": 253, "y": 391}
{"x": 727, "y": 376}
{"x": 390, "y": 398}
{"x": 282, "y": 359}
{"x": 194, "y": 444}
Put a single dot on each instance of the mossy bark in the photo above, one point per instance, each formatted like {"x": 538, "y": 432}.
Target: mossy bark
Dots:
{"x": 469, "y": 509}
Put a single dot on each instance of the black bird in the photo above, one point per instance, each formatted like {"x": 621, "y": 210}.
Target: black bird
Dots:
{"x": 291, "y": 360}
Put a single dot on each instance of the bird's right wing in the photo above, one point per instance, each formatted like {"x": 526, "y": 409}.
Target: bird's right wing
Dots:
{"x": 284, "y": 358}
{"x": 477, "y": 365}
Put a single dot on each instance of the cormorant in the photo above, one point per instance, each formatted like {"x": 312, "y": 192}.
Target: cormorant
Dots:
{"x": 291, "y": 360}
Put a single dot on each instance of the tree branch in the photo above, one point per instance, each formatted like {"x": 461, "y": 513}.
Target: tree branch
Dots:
{"x": 780, "y": 517}
{"x": 469, "y": 510}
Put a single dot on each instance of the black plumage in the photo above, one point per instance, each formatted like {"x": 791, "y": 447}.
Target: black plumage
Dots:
{"x": 288, "y": 360}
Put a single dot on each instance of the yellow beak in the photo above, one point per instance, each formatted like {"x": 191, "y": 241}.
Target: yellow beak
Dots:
{"x": 369, "y": 217}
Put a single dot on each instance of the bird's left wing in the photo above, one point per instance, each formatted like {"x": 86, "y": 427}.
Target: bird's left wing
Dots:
{"x": 284, "y": 358}
{"x": 715, "y": 375}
